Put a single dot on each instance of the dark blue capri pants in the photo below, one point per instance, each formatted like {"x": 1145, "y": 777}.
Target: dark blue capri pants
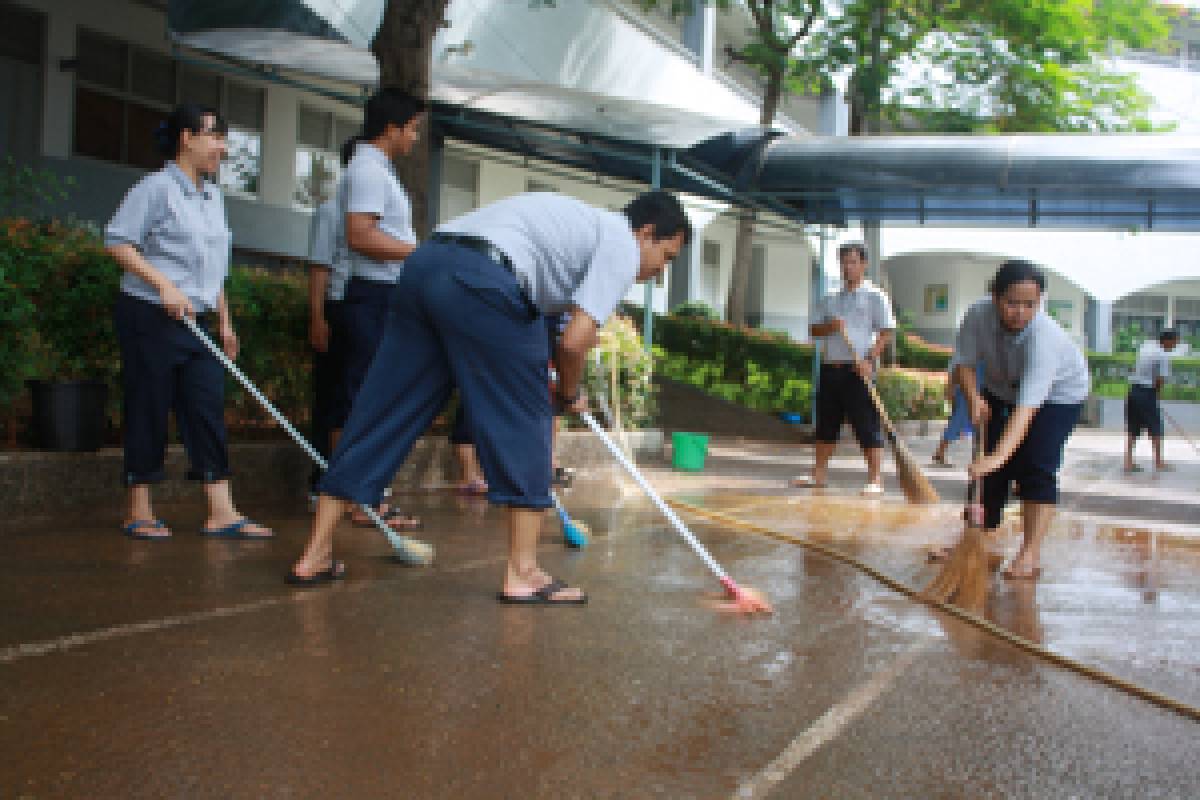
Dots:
{"x": 1142, "y": 412}
{"x": 1035, "y": 464}
{"x": 843, "y": 397}
{"x": 164, "y": 367}
{"x": 457, "y": 318}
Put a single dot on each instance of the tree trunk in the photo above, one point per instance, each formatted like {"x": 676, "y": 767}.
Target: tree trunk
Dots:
{"x": 743, "y": 248}
{"x": 404, "y": 49}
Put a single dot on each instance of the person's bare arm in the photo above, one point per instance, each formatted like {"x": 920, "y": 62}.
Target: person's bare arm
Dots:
{"x": 1015, "y": 432}
{"x": 364, "y": 237}
{"x": 318, "y": 327}
{"x": 571, "y": 356}
{"x": 229, "y": 340}
{"x": 131, "y": 260}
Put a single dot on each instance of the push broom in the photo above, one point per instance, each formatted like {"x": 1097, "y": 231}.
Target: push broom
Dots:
{"x": 409, "y": 551}
{"x": 743, "y": 599}
{"x": 913, "y": 482}
{"x": 964, "y": 578}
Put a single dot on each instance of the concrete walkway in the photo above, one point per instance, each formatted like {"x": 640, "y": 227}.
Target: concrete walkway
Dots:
{"x": 188, "y": 669}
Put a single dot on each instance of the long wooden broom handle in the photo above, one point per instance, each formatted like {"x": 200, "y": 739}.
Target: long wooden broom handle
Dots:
{"x": 875, "y": 398}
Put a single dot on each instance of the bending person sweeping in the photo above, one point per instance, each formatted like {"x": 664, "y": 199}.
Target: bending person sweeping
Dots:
{"x": 1035, "y": 379}
{"x": 468, "y": 311}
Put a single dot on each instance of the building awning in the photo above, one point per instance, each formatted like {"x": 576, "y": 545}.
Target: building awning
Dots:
{"x": 1123, "y": 182}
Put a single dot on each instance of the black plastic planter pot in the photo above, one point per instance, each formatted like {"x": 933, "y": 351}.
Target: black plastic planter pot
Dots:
{"x": 69, "y": 415}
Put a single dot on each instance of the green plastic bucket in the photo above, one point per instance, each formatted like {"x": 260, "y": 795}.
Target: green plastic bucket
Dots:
{"x": 688, "y": 450}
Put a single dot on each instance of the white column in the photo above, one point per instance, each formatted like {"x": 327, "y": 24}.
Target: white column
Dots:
{"x": 278, "y": 178}
{"x": 58, "y": 101}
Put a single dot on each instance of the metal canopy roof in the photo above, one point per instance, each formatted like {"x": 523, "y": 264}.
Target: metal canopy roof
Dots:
{"x": 1084, "y": 181}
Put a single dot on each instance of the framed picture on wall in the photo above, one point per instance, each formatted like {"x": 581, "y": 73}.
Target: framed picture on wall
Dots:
{"x": 937, "y": 298}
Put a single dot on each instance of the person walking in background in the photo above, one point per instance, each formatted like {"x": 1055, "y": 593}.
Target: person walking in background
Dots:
{"x": 377, "y": 219}
{"x": 327, "y": 275}
{"x": 1142, "y": 410}
{"x": 171, "y": 238}
{"x": 862, "y": 314}
{"x": 959, "y": 424}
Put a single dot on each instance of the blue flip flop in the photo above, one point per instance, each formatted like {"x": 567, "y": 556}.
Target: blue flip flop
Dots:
{"x": 234, "y": 530}
{"x": 132, "y": 529}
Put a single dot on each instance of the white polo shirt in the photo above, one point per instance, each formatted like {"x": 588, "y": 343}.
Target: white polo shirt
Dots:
{"x": 370, "y": 186}
{"x": 1152, "y": 362}
{"x": 1040, "y": 364}
{"x": 563, "y": 251}
{"x": 866, "y": 311}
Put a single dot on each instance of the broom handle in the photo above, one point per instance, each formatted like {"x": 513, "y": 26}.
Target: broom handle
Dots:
{"x": 667, "y": 511}
{"x": 1179, "y": 429}
{"x": 401, "y": 543}
{"x": 975, "y": 487}
{"x": 875, "y": 398}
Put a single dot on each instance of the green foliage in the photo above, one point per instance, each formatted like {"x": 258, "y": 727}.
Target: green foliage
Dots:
{"x": 1129, "y": 338}
{"x": 908, "y": 394}
{"x": 19, "y": 266}
{"x": 1110, "y": 376}
{"x": 28, "y": 192}
{"x": 695, "y": 309}
{"x": 270, "y": 315}
{"x": 57, "y": 290}
{"x": 621, "y": 346}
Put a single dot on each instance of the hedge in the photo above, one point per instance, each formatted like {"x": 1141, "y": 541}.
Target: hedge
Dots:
{"x": 57, "y": 289}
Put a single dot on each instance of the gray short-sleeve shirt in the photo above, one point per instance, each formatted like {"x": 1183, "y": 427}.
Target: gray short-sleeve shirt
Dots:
{"x": 327, "y": 246}
{"x": 1153, "y": 362}
{"x": 1040, "y": 364}
{"x": 180, "y": 229}
{"x": 866, "y": 311}
{"x": 370, "y": 186}
{"x": 563, "y": 251}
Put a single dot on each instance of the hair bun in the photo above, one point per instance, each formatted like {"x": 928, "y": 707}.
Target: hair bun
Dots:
{"x": 162, "y": 137}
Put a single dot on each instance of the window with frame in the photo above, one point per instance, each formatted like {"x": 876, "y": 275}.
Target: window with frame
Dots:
{"x": 123, "y": 92}
{"x": 319, "y": 138}
{"x": 1146, "y": 312}
{"x": 460, "y": 187}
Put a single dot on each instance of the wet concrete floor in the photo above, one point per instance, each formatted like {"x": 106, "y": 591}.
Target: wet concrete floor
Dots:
{"x": 188, "y": 669}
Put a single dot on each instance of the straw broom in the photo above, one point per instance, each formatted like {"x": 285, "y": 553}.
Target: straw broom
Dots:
{"x": 913, "y": 482}
{"x": 966, "y": 576}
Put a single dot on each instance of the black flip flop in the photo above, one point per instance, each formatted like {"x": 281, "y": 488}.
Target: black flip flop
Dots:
{"x": 542, "y": 597}
{"x": 335, "y": 572}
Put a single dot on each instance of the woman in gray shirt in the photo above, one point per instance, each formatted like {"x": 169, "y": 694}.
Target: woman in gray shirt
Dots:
{"x": 171, "y": 238}
{"x": 1035, "y": 379}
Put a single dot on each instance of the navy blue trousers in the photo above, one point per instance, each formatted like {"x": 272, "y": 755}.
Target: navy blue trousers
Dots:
{"x": 1035, "y": 464}
{"x": 456, "y": 319}
{"x": 164, "y": 367}
{"x": 364, "y": 315}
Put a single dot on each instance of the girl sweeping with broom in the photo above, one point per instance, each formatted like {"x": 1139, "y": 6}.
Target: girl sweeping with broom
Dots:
{"x": 1035, "y": 379}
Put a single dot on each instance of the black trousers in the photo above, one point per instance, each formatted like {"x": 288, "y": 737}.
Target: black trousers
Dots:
{"x": 364, "y": 312}
{"x": 165, "y": 368}
{"x": 330, "y": 395}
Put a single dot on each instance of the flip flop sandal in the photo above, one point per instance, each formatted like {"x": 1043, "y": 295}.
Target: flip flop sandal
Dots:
{"x": 235, "y": 530}
{"x": 1009, "y": 576}
{"x": 335, "y": 572}
{"x": 805, "y": 482}
{"x": 134, "y": 529}
{"x": 543, "y": 596}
